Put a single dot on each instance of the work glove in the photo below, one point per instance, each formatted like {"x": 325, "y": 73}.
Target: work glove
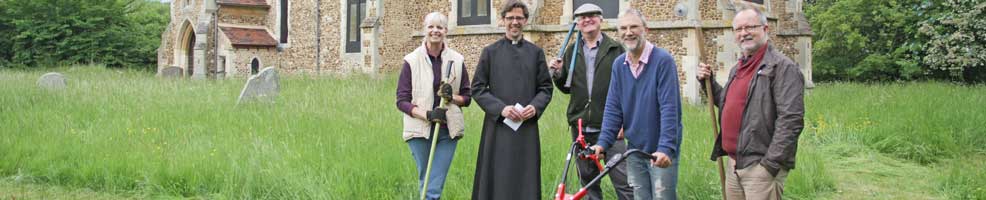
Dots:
{"x": 437, "y": 115}
{"x": 445, "y": 91}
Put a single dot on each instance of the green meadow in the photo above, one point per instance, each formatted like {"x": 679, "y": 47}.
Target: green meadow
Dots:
{"x": 121, "y": 134}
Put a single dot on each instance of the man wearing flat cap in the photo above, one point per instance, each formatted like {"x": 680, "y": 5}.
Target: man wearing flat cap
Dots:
{"x": 588, "y": 89}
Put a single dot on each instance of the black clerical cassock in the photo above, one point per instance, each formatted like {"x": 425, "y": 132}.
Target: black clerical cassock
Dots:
{"x": 509, "y": 162}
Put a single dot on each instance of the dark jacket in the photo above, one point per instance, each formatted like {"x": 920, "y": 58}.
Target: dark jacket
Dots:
{"x": 581, "y": 105}
{"x": 774, "y": 114}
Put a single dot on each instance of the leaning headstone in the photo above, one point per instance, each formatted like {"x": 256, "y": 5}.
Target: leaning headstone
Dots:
{"x": 52, "y": 81}
{"x": 262, "y": 87}
{"x": 171, "y": 72}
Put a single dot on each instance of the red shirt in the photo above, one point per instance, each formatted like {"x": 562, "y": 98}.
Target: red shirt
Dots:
{"x": 735, "y": 102}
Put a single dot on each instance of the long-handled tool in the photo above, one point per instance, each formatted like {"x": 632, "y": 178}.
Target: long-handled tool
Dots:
{"x": 575, "y": 49}
{"x": 616, "y": 160}
{"x": 681, "y": 10}
{"x": 434, "y": 135}
{"x": 712, "y": 110}
{"x": 564, "y": 44}
{"x": 571, "y": 65}
{"x": 715, "y": 131}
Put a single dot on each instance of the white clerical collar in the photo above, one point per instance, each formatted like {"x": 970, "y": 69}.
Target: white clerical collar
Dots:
{"x": 515, "y": 42}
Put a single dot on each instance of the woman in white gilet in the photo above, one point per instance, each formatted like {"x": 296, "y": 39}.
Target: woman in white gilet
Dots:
{"x": 431, "y": 88}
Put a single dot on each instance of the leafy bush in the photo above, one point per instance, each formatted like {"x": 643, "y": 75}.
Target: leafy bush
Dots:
{"x": 887, "y": 40}
{"x": 862, "y": 39}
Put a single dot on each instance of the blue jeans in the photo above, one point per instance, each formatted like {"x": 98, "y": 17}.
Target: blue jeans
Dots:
{"x": 444, "y": 152}
{"x": 650, "y": 182}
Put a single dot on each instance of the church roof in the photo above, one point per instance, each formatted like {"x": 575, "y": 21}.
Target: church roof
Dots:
{"x": 248, "y": 37}
{"x": 247, "y": 3}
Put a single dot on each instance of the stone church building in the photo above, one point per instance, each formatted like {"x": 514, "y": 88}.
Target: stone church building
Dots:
{"x": 235, "y": 38}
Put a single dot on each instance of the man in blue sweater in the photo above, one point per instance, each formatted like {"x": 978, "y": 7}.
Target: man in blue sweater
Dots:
{"x": 644, "y": 101}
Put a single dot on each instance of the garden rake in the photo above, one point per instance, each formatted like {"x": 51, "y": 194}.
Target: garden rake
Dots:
{"x": 434, "y": 135}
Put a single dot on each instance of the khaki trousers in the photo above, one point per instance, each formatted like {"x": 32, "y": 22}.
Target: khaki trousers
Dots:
{"x": 753, "y": 182}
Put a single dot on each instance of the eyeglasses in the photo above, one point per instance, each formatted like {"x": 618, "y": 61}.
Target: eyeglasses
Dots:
{"x": 588, "y": 16}
{"x": 747, "y": 28}
{"x": 514, "y": 18}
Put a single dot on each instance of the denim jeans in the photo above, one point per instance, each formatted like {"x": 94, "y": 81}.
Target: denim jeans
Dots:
{"x": 444, "y": 152}
{"x": 650, "y": 182}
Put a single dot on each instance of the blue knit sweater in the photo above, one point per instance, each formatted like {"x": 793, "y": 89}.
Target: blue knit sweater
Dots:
{"x": 647, "y": 107}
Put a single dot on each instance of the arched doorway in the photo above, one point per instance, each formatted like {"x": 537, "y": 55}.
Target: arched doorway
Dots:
{"x": 190, "y": 54}
{"x": 185, "y": 48}
{"x": 254, "y": 66}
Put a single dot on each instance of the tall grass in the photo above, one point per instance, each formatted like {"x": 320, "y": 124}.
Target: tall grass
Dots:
{"x": 129, "y": 132}
{"x": 964, "y": 178}
{"x": 935, "y": 125}
{"x": 924, "y": 123}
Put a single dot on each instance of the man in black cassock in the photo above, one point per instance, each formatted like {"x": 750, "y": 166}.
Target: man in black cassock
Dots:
{"x": 510, "y": 71}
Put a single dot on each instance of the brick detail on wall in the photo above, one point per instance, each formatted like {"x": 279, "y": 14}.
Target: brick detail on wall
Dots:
{"x": 399, "y": 21}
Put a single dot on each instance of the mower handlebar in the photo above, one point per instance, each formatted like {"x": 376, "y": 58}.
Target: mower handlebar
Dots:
{"x": 620, "y": 157}
{"x": 638, "y": 151}
{"x": 617, "y": 159}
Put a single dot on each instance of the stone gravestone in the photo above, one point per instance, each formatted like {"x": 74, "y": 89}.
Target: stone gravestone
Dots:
{"x": 52, "y": 81}
{"x": 171, "y": 72}
{"x": 262, "y": 87}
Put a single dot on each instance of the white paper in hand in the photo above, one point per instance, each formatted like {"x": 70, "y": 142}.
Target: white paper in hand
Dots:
{"x": 511, "y": 123}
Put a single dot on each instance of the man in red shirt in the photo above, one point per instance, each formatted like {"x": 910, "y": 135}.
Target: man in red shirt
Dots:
{"x": 761, "y": 113}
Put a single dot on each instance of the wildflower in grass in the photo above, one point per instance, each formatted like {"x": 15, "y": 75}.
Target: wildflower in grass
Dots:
{"x": 821, "y": 125}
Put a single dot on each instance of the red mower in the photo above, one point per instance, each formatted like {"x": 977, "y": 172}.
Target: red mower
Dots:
{"x": 580, "y": 147}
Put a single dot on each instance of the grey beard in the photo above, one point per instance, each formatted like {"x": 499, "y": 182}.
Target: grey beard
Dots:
{"x": 640, "y": 44}
{"x": 753, "y": 49}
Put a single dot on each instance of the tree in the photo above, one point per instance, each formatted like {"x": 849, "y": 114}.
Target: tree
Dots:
{"x": 37, "y": 33}
{"x": 956, "y": 37}
{"x": 880, "y": 40}
{"x": 865, "y": 40}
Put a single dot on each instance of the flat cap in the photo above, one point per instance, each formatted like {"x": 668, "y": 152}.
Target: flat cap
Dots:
{"x": 588, "y": 8}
